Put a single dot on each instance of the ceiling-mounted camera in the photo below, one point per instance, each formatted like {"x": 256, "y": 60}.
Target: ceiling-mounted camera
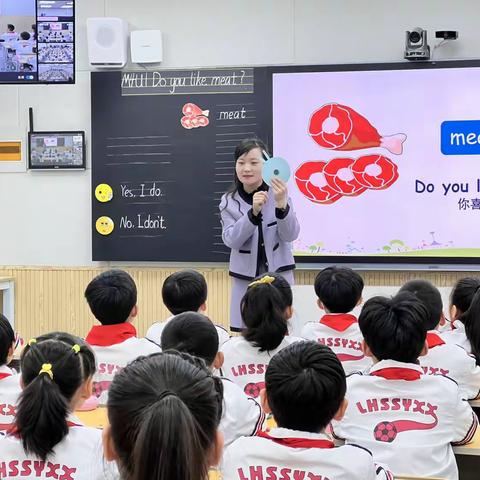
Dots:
{"x": 416, "y": 46}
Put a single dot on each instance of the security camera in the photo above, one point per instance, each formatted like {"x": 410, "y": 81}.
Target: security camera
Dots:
{"x": 416, "y": 46}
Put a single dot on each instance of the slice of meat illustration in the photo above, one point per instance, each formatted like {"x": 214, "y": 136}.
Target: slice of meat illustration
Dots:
{"x": 192, "y": 110}
{"x": 311, "y": 181}
{"x": 340, "y": 177}
{"x": 338, "y": 127}
{"x": 187, "y": 122}
{"x": 375, "y": 172}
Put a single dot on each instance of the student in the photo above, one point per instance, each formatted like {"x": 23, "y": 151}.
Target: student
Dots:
{"x": 408, "y": 420}
{"x": 305, "y": 389}
{"x": 164, "y": 412}
{"x": 265, "y": 313}
{"x": 24, "y": 46}
{"x": 184, "y": 291}
{"x": 9, "y": 380}
{"x": 339, "y": 291}
{"x": 10, "y": 35}
{"x": 46, "y": 439}
{"x": 444, "y": 358}
{"x": 112, "y": 297}
{"x": 465, "y": 316}
{"x": 258, "y": 224}
{"x": 195, "y": 334}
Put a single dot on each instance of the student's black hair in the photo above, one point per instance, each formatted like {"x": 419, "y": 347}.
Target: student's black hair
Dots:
{"x": 466, "y": 298}
{"x": 164, "y": 412}
{"x": 25, "y": 36}
{"x": 11, "y": 27}
{"x": 394, "y": 328}
{"x": 184, "y": 291}
{"x": 282, "y": 285}
{"x": 44, "y": 404}
{"x": 339, "y": 289}
{"x": 263, "y": 313}
{"x": 430, "y": 296}
{"x": 245, "y": 146}
{"x": 7, "y": 338}
{"x": 305, "y": 385}
{"x": 111, "y": 296}
{"x": 192, "y": 333}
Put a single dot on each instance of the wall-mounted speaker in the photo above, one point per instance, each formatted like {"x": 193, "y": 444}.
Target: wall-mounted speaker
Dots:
{"x": 107, "y": 42}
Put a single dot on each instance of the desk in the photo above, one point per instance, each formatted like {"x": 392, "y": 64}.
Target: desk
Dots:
{"x": 474, "y": 403}
{"x": 472, "y": 448}
{"x": 7, "y": 286}
{"x": 94, "y": 418}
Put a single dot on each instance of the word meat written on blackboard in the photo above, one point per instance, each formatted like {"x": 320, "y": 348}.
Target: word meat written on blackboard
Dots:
{"x": 181, "y": 82}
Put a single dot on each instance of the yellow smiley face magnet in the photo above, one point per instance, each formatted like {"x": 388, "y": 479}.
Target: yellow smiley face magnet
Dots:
{"x": 104, "y": 225}
{"x": 103, "y": 192}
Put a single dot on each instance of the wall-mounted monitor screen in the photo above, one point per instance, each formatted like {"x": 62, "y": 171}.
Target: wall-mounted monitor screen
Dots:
{"x": 384, "y": 161}
{"x": 37, "y": 41}
{"x": 56, "y": 150}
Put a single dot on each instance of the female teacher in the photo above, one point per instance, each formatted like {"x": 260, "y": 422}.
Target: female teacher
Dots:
{"x": 258, "y": 224}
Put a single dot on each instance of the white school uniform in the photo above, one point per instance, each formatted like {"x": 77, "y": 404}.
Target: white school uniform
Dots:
{"x": 242, "y": 416}
{"x": 408, "y": 420}
{"x": 115, "y": 346}
{"x": 454, "y": 362}
{"x": 289, "y": 455}
{"x": 340, "y": 332}
{"x": 245, "y": 365}
{"x": 154, "y": 333}
{"x": 457, "y": 336}
{"x": 79, "y": 456}
{"x": 9, "y": 392}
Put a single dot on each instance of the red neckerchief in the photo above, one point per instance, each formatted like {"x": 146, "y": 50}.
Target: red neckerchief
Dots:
{"x": 5, "y": 375}
{"x": 298, "y": 442}
{"x": 339, "y": 322}
{"x": 397, "y": 373}
{"x": 434, "y": 340}
{"x": 107, "y": 335}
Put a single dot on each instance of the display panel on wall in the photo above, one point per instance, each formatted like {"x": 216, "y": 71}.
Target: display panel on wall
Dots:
{"x": 37, "y": 41}
{"x": 383, "y": 159}
{"x": 162, "y": 147}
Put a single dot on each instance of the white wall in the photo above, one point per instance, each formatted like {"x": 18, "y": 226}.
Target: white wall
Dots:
{"x": 45, "y": 217}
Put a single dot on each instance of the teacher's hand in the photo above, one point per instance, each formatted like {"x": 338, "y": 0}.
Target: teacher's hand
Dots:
{"x": 259, "y": 200}
{"x": 280, "y": 192}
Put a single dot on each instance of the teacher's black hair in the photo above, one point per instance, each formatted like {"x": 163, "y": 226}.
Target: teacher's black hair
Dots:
{"x": 245, "y": 146}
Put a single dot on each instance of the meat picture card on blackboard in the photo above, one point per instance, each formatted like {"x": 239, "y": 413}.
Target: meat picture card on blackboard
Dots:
{"x": 163, "y": 141}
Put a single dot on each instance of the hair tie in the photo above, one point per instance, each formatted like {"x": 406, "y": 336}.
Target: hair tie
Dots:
{"x": 165, "y": 394}
{"x": 76, "y": 349}
{"x": 47, "y": 368}
{"x": 267, "y": 279}
{"x": 32, "y": 341}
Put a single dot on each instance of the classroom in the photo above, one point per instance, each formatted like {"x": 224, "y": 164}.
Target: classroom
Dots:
{"x": 283, "y": 189}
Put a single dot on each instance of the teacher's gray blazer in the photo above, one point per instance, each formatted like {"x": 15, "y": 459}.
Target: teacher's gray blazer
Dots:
{"x": 240, "y": 233}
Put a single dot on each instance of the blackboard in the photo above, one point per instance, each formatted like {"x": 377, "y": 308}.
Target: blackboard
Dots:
{"x": 167, "y": 180}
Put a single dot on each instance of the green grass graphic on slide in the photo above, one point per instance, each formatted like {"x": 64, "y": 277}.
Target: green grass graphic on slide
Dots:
{"x": 432, "y": 252}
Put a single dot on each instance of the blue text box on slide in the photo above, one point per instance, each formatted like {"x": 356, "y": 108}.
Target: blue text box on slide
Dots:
{"x": 460, "y": 137}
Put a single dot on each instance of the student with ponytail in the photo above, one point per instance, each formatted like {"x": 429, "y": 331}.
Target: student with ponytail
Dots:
{"x": 164, "y": 412}
{"x": 465, "y": 316}
{"x": 9, "y": 380}
{"x": 266, "y": 308}
{"x": 46, "y": 440}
